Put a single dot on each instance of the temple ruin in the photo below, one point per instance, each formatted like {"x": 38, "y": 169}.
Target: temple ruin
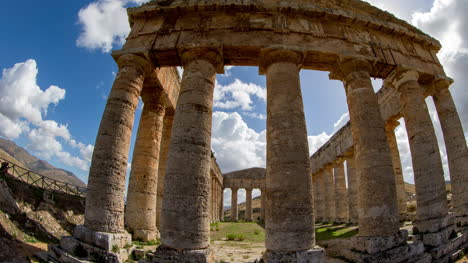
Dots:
{"x": 176, "y": 188}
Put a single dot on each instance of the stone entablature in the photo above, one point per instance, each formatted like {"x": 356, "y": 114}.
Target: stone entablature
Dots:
{"x": 324, "y": 32}
{"x": 247, "y": 178}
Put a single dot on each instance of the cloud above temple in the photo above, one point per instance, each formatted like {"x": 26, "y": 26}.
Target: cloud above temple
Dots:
{"x": 104, "y": 24}
{"x": 23, "y": 108}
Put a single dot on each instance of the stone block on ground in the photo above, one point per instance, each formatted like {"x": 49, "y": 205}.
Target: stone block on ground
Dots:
{"x": 165, "y": 254}
{"x": 314, "y": 255}
{"x": 106, "y": 241}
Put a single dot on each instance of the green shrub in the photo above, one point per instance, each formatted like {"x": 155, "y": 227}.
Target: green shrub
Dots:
{"x": 240, "y": 237}
{"x": 257, "y": 232}
{"x": 231, "y": 237}
{"x": 115, "y": 248}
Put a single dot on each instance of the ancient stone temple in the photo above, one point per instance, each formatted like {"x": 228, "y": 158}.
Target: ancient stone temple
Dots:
{"x": 175, "y": 187}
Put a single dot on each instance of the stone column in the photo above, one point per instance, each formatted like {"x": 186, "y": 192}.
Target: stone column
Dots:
{"x": 140, "y": 214}
{"x": 341, "y": 193}
{"x": 330, "y": 211}
{"x": 263, "y": 203}
{"x": 234, "y": 209}
{"x": 320, "y": 200}
{"x": 432, "y": 207}
{"x": 378, "y": 214}
{"x": 163, "y": 152}
{"x": 221, "y": 208}
{"x": 457, "y": 151}
{"x": 289, "y": 225}
{"x": 399, "y": 181}
{"x": 352, "y": 189}
{"x": 248, "y": 205}
{"x": 106, "y": 184}
{"x": 185, "y": 219}
{"x": 315, "y": 192}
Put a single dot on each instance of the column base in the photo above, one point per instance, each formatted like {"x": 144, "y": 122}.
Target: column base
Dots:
{"x": 385, "y": 249}
{"x": 89, "y": 245}
{"x": 146, "y": 235}
{"x": 451, "y": 250}
{"x": 435, "y": 232}
{"x": 314, "y": 255}
{"x": 166, "y": 254}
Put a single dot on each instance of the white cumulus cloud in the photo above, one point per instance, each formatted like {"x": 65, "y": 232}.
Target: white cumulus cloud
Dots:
{"x": 23, "y": 106}
{"x": 238, "y": 95}
{"x": 104, "y": 24}
{"x": 236, "y": 146}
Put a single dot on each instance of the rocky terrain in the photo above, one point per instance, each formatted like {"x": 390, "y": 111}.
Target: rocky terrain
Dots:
{"x": 9, "y": 149}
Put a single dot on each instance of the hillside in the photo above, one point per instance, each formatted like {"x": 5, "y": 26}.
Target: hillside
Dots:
{"x": 19, "y": 156}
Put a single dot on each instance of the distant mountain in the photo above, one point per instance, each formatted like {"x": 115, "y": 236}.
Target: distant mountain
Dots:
{"x": 23, "y": 158}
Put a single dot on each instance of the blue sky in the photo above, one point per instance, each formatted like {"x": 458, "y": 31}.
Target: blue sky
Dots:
{"x": 57, "y": 73}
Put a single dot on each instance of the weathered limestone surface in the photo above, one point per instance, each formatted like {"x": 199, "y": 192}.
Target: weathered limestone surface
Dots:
{"x": 399, "y": 181}
{"x": 319, "y": 202}
{"x": 289, "y": 205}
{"x": 248, "y": 203}
{"x": 457, "y": 151}
{"x": 377, "y": 205}
{"x": 427, "y": 165}
{"x": 140, "y": 214}
{"x": 106, "y": 185}
{"x": 341, "y": 193}
{"x": 163, "y": 153}
{"x": 352, "y": 189}
{"x": 185, "y": 215}
{"x": 247, "y": 178}
{"x": 330, "y": 212}
{"x": 234, "y": 208}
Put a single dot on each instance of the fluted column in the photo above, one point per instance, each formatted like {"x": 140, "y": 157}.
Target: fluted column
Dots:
{"x": 330, "y": 211}
{"x": 289, "y": 223}
{"x": 185, "y": 219}
{"x": 234, "y": 209}
{"x": 341, "y": 194}
{"x": 457, "y": 151}
{"x": 399, "y": 181}
{"x": 248, "y": 205}
{"x": 163, "y": 152}
{"x": 377, "y": 208}
{"x": 106, "y": 184}
{"x": 352, "y": 189}
{"x": 431, "y": 198}
{"x": 140, "y": 214}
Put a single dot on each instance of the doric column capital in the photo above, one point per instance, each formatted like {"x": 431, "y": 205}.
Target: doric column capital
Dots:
{"x": 234, "y": 189}
{"x": 248, "y": 189}
{"x": 442, "y": 82}
{"x": 390, "y": 125}
{"x": 134, "y": 61}
{"x": 212, "y": 55}
{"x": 401, "y": 75}
{"x": 347, "y": 68}
{"x": 271, "y": 56}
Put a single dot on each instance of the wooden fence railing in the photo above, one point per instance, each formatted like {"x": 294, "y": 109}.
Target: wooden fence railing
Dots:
{"x": 42, "y": 181}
